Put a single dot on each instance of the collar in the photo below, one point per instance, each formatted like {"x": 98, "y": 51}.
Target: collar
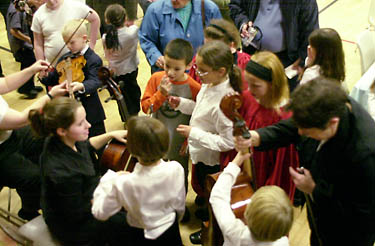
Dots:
{"x": 168, "y": 8}
{"x": 83, "y": 51}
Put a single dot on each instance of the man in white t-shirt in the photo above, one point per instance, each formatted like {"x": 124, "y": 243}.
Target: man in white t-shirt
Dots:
{"x": 48, "y": 22}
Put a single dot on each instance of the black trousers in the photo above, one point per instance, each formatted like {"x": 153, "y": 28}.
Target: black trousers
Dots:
{"x": 131, "y": 91}
{"x": 19, "y": 167}
{"x": 27, "y": 58}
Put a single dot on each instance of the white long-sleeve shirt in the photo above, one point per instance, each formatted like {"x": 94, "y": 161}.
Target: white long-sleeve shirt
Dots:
{"x": 235, "y": 232}
{"x": 212, "y": 131}
{"x": 125, "y": 59}
{"x": 151, "y": 195}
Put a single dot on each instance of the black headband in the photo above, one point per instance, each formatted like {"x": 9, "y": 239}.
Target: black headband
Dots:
{"x": 259, "y": 71}
{"x": 223, "y": 31}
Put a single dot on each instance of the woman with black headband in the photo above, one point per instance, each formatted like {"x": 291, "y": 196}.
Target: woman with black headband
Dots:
{"x": 226, "y": 31}
{"x": 262, "y": 106}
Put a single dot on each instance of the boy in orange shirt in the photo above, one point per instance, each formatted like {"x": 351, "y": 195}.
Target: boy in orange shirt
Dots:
{"x": 173, "y": 81}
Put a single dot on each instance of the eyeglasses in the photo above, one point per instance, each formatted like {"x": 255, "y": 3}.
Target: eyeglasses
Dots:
{"x": 199, "y": 73}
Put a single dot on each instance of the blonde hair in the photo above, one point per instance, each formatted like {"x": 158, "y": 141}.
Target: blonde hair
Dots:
{"x": 269, "y": 215}
{"x": 279, "y": 91}
{"x": 74, "y": 26}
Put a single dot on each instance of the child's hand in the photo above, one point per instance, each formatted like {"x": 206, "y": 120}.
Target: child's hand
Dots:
{"x": 240, "y": 158}
{"x": 174, "y": 101}
{"x": 77, "y": 86}
{"x": 165, "y": 86}
{"x": 120, "y": 135}
{"x": 184, "y": 130}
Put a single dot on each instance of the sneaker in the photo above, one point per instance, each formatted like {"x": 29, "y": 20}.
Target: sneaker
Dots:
{"x": 29, "y": 94}
{"x": 26, "y": 215}
{"x": 38, "y": 88}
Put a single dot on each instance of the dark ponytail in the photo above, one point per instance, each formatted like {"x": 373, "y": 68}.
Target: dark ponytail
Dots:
{"x": 58, "y": 113}
{"x": 216, "y": 54}
{"x": 235, "y": 78}
{"x": 115, "y": 16}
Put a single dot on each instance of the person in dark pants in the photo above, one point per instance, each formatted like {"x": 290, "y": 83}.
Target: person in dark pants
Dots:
{"x": 335, "y": 139}
{"x": 21, "y": 46}
{"x": 282, "y": 27}
{"x": 19, "y": 151}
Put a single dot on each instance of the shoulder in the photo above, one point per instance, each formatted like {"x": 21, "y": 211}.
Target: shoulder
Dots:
{"x": 193, "y": 82}
{"x": 173, "y": 167}
{"x": 91, "y": 55}
{"x": 157, "y": 76}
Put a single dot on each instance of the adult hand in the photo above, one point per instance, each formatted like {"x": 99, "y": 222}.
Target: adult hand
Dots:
{"x": 129, "y": 22}
{"x": 184, "y": 130}
{"x": 39, "y": 66}
{"x": 302, "y": 179}
{"x": 240, "y": 158}
{"x": 165, "y": 86}
{"x": 120, "y": 135}
{"x": 245, "y": 29}
{"x": 160, "y": 62}
{"x": 174, "y": 101}
{"x": 58, "y": 90}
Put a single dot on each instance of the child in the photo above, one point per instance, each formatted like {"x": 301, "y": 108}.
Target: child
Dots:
{"x": 87, "y": 90}
{"x": 49, "y": 20}
{"x": 325, "y": 56}
{"x": 153, "y": 195}
{"x": 120, "y": 49}
{"x": 262, "y": 106}
{"x": 22, "y": 48}
{"x": 210, "y": 131}
{"x": 173, "y": 81}
{"x": 68, "y": 175}
{"x": 269, "y": 215}
{"x": 226, "y": 31}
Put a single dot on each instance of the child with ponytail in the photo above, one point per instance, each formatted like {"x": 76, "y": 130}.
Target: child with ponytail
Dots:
{"x": 210, "y": 131}
{"x": 120, "y": 49}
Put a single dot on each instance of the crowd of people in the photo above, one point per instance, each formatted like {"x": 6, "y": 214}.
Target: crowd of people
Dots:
{"x": 309, "y": 141}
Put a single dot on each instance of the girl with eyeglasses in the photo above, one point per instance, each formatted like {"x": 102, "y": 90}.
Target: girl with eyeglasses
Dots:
{"x": 210, "y": 131}
{"x": 226, "y": 31}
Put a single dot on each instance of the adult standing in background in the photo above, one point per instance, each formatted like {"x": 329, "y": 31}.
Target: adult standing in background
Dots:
{"x": 283, "y": 27}
{"x": 166, "y": 20}
{"x": 48, "y": 22}
{"x": 144, "y": 4}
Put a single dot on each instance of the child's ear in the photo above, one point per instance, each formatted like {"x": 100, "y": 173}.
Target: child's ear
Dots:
{"x": 188, "y": 66}
{"x": 61, "y": 132}
{"x": 85, "y": 37}
{"x": 223, "y": 71}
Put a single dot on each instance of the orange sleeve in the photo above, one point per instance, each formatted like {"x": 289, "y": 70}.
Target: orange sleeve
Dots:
{"x": 152, "y": 95}
{"x": 194, "y": 87}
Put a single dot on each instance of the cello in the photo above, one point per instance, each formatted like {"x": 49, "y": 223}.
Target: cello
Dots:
{"x": 115, "y": 155}
{"x": 244, "y": 186}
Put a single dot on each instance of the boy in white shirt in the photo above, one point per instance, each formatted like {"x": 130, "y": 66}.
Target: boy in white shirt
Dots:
{"x": 153, "y": 195}
{"x": 269, "y": 215}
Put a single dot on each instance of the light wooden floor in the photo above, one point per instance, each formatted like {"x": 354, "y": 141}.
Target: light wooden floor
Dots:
{"x": 348, "y": 17}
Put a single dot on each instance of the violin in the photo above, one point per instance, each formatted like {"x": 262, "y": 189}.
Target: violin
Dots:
{"x": 104, "y": 75}
{"x": 243, "y": 189}
{"x": 70, "y": 69}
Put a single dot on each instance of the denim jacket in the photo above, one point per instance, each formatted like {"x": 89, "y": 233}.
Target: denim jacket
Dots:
{"x": 161, "y": 24}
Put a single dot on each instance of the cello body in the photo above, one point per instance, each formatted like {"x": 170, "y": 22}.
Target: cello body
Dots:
{"x": 242, "y": 190}
{"x": 117, "y": 158}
